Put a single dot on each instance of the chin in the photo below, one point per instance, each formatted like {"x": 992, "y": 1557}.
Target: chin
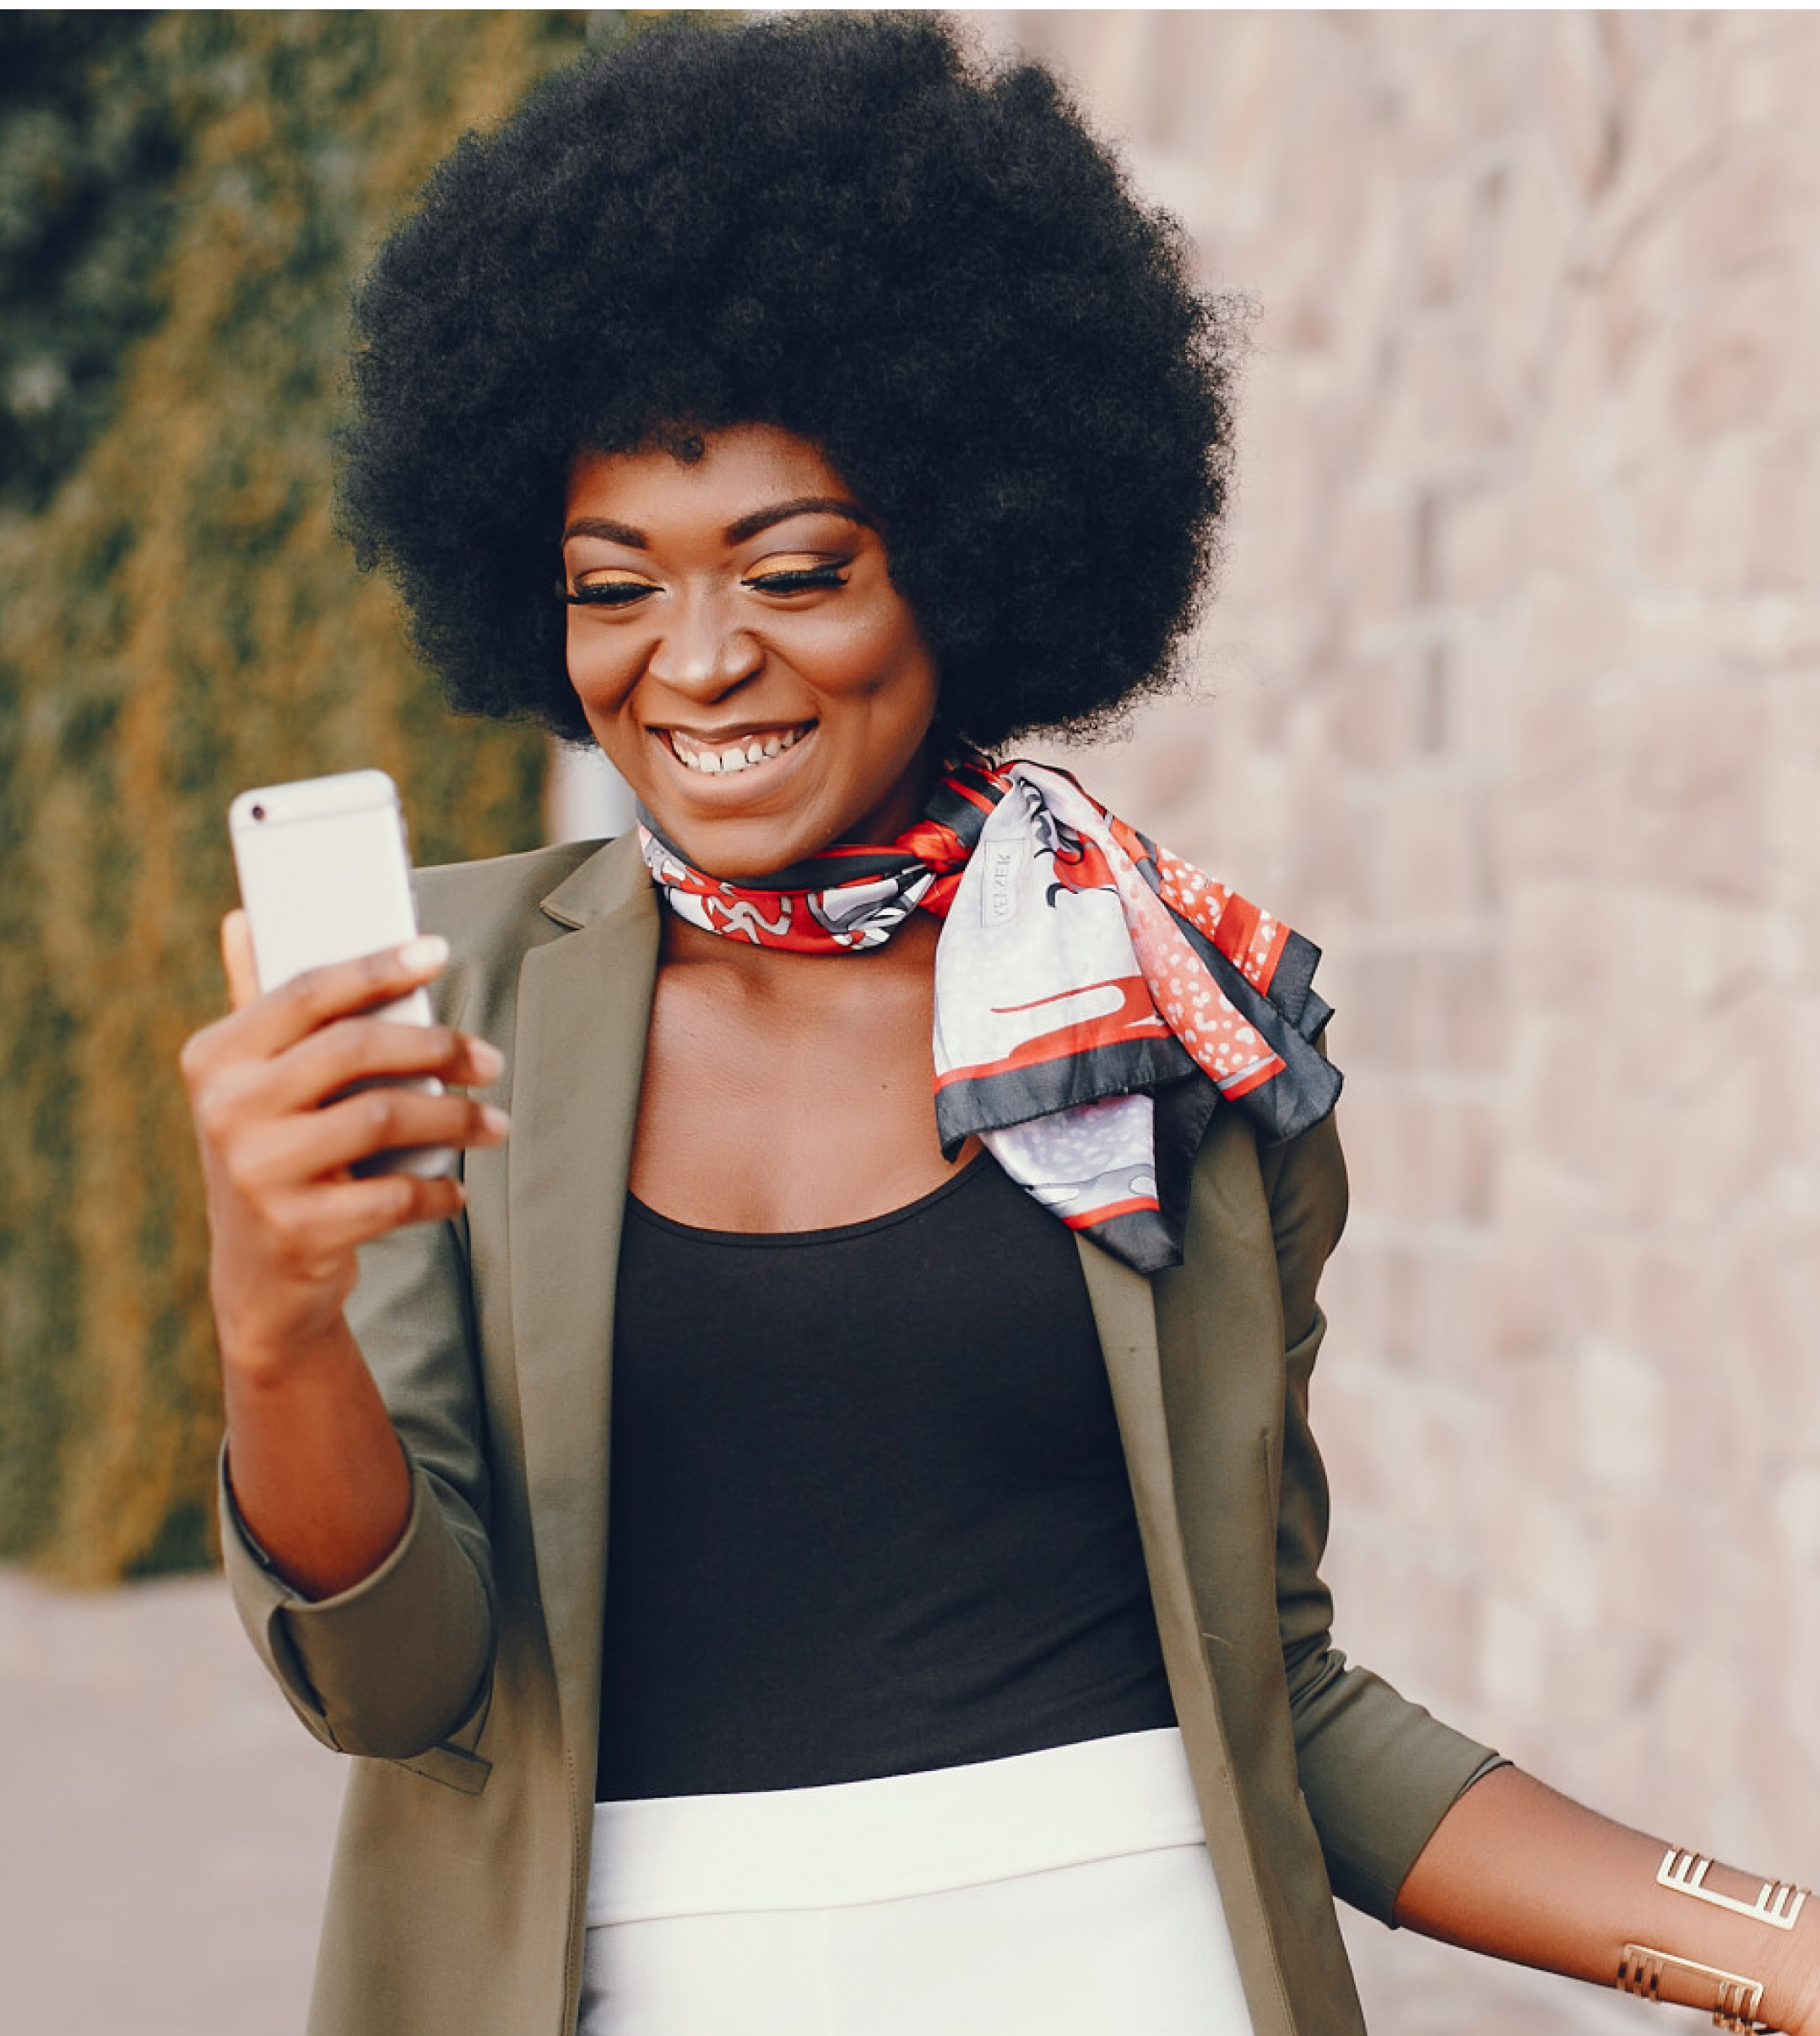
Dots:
{"x": 743, "y": 852}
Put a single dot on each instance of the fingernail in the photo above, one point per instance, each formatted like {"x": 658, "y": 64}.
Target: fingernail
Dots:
{"x": 489, "y": 1063}
{"x": 427, "y": 950}
{"x": 496, "y": 1120}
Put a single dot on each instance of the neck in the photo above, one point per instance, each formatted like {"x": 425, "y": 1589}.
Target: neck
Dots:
{"x": 775, "y": 971}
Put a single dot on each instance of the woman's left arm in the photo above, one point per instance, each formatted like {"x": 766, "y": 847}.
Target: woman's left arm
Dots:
{"x": 1510, "y": 1868}
{"x": 1518, "y": 1872}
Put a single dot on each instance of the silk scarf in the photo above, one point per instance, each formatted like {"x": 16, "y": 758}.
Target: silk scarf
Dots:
{"x": 1096, "y": 997}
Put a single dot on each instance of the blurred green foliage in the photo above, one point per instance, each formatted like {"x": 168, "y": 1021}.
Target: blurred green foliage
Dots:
{"x": 89, "y": 147}
{"x": 185, "y": 198}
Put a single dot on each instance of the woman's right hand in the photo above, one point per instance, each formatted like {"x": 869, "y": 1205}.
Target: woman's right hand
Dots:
{"x": 279, "y": 1137}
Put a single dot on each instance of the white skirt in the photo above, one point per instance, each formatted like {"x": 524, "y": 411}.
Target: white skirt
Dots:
{"x": 1066, "y": 1892}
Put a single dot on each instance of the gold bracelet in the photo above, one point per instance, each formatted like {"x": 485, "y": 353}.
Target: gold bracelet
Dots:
{"x": 1737, "y": 1999}
{"x": 1685, "y": 1872}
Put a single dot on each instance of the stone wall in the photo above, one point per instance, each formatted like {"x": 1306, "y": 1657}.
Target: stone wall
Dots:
{"x": 1511, "y": 701}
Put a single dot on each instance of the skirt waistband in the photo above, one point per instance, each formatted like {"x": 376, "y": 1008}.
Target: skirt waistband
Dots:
{"x": 899, "y": 1835}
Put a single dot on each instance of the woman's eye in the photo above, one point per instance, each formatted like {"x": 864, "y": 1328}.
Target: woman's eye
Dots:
{"x": 609, "y": 594}
{"x": 799, "y": 579}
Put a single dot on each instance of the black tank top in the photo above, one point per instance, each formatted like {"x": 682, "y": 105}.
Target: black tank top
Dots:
{"x": 869, "y": 1512}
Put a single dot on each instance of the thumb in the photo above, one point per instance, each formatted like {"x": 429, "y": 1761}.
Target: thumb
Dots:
{"x": 236, "y": 959}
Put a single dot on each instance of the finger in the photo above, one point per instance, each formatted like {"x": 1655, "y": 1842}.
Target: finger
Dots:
{"x": 319, "y": 1144}
{"x": 234, "y": 1093}
{"x": 340, "y": 989}
{"x": 340, "y": 1215}
{"x": 353, "y": 1050}
{"x": 402, "y": 1198}
{"x": 236, "y": 959}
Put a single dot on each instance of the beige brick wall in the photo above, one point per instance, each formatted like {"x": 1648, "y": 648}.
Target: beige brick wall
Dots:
{"x": 1512, "y": 701}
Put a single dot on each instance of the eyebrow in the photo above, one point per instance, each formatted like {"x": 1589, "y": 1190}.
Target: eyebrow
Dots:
{"x": 734, "y": 533}
{"x": 801, "y": 505}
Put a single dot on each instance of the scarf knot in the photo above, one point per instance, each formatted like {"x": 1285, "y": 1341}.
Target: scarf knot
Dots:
{"x": 1096, "y": 997}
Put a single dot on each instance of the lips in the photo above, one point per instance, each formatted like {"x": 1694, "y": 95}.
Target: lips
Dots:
{"x": 726, "y": 757}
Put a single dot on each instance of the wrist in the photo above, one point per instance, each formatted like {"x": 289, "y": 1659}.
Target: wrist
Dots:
{"x": 264, "y": 1349}
{"x": 1744, "y": 1949}
{"x": 1791, "y": 1990}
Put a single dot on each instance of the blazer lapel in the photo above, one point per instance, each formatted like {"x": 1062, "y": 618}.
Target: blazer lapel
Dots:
{"x": 584, "y": 1004}
{"x": 1124, "y": 1311}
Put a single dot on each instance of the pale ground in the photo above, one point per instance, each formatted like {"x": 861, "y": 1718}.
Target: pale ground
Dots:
{"x": 164, "y": 1831}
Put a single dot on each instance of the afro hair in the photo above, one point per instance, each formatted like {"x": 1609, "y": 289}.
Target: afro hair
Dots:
{"x": 845, "y": 227}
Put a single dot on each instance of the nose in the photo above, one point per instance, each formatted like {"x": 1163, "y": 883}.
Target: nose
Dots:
{"x": 703, "y": 650}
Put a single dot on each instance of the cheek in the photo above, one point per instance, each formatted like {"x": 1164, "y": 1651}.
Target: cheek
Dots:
{"x": 597, "y": 669}
{"x": 882, "y": 659}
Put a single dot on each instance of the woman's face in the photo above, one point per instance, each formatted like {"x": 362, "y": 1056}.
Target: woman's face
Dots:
{"x": 740, "y": 653}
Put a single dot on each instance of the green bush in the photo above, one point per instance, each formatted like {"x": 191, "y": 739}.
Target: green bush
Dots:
{"x": 185, "y": 198}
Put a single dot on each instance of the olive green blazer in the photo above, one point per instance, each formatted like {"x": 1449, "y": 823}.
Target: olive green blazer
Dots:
{"x": 464, "y": 1673}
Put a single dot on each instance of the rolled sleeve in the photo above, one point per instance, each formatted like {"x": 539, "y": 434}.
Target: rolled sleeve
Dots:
{"x": 391, "y": 1666}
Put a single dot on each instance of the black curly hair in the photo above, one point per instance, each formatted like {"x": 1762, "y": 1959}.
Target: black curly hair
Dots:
{"x": 844, "y": 226}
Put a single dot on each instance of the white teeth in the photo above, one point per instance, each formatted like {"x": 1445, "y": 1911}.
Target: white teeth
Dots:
{"x": 719, "y": 763}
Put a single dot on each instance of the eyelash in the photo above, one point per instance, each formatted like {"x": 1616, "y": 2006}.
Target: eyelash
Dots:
{"x": 799, "y": 582}
{"x": 622, "y": 593}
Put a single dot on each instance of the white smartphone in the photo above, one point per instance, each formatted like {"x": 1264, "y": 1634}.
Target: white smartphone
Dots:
{"x": 325, "y": 875}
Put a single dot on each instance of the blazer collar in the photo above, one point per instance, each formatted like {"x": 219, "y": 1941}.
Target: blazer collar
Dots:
{"x": 611, "y": 878}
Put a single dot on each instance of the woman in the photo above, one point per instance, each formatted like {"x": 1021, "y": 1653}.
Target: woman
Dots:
{"x": 800, "y": 413}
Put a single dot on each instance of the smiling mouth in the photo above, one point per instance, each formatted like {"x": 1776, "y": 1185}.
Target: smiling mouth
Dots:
{"x": 727, "y": 758}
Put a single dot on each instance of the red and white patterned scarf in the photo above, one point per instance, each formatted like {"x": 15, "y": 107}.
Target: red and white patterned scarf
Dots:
{"x": 1096, "y": 997}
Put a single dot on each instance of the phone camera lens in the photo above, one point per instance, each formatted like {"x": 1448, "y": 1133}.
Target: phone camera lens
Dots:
{"x": 258, "y": 812}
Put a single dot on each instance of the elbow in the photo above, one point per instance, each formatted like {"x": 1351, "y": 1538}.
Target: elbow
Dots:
{"x": 397, "y": 1672}
{"x": 445, "y": 1745}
